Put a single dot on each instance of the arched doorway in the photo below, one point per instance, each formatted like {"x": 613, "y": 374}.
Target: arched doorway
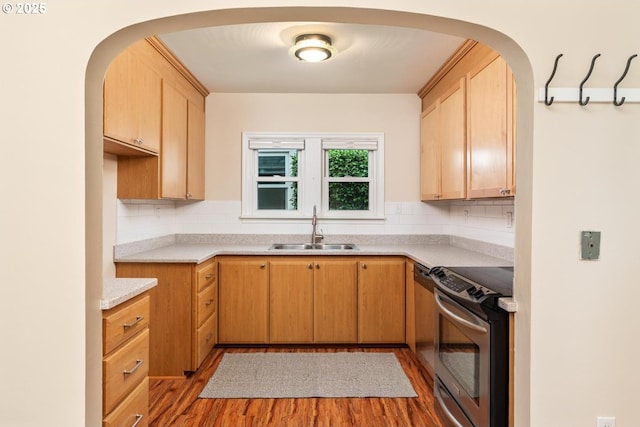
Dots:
{"x": 109, "y": 48}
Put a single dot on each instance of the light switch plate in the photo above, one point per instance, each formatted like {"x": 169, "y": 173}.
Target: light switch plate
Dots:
{"x": 590, "y": 245}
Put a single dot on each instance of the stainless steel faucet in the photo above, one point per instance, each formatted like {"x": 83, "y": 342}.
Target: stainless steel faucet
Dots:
{"x": 315, "y": 237}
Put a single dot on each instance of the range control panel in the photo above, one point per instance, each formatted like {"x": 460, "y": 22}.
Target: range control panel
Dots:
{"x": 461, "y": 287}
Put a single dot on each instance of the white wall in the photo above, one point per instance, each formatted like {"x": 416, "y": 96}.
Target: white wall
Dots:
{"x": 228, "y": 115}
{"x": 396, "y": 115}
{"x": 575, "y": 331}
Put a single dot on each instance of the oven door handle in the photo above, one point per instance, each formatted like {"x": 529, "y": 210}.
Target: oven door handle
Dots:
{"x": 445, "y": 409}
{"x": 457, "y": 318}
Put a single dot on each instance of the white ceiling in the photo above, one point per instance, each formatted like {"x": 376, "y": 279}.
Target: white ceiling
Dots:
{"x": 255, "y": 58}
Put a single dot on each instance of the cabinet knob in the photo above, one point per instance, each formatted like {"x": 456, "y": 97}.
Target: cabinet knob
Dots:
{"x": 364, "y": 265}
{"x": 188, "y": 195}
{"x": 505, "y": 191}
{"x": 317, "y": 265}
{"x": 310, "y": 265}
{"x": 263, "y": 265}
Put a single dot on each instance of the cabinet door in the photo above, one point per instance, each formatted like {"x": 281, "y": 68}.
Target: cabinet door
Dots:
{"x": 243, "y": 301}
{"x": 132, "y": 102}
{"x": 442, "y": 147}
{"x": 452, "y": 138}
{"x": 291, "y": 301}
{"x": 429, "y": 154}
{"x": 335, "y": 299}
{"x": 171, "y": 326}
{"x": 174, "y": 144}
{"x": 147, "y": 91}
{"x": 488, "y": 141}
{"x": 381, "y": 300}
{"x": 195, "y": 152}
{"x": 119, "y": 104}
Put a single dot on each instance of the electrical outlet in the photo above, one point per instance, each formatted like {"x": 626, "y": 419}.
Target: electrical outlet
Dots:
{"x": 606, "y": 422}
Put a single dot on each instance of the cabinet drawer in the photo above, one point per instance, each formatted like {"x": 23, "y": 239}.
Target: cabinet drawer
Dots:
{"x": 207, "y": 302}
{"x": 120, "y": 324}
{"x": 206, "y": 338}
{"x": 124, "y": 369}
{"x": 133, "y": 408}
{"x": 206, "y": 275}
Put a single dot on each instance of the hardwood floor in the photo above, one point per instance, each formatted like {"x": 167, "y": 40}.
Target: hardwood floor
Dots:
{"x": 174, "y": 402}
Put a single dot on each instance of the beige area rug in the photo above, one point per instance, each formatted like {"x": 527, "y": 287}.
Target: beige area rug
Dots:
{"x": 299, "y": 375}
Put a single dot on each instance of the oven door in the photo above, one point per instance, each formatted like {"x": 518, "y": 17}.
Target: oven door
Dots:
{"x": 462, "y": 360}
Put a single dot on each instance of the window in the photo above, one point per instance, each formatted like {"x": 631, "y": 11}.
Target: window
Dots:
{"x": 285, "y": 175}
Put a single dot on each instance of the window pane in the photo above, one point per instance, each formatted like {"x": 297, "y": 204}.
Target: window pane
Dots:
{"x": 277, "y": 195}
{"x": 344, "y": 163}
{"x": 277, "y": 163}
{"x": 349, "y": 196}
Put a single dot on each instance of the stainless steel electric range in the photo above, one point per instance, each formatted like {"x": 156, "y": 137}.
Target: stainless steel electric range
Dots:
{"x": 472, "y": 344}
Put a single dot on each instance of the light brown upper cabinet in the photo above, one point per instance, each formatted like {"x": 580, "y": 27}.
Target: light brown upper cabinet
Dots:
{"x": 132, "y": 106}
{"x": 468, "y": 128}
{"x": 442, "y": 146}
{"x": 490, "y": 117}
{"x": 177, "y": 172}
{"x": 173, "y": 182}
{"x": 195, "y": 151}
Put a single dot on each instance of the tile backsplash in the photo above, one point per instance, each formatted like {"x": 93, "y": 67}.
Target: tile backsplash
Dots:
{"x": 491, "y": 221}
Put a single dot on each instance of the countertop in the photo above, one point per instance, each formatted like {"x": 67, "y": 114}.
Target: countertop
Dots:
{"x": 429, "y": 255}
{"x": 117, "y": 291}
{"x": 195, "y": 250}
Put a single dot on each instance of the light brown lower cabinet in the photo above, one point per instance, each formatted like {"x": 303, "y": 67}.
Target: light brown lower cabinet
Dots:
{"x": 291, "y": 301}
{"x": 125, "y": 365}
{"x": 335, "y": 309}
{"x": 243, "y": 300}
{"x": 381, "y": 300}
{"x": 312, "y": 300}
{"x": 326, "y": 299}
{"x": 184, "y": 309}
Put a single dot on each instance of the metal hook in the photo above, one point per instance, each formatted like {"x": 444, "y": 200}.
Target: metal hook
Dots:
{"x": 586, "y": 100}
{"x": 615, "y": 86}
{"x": 548, "y": 101}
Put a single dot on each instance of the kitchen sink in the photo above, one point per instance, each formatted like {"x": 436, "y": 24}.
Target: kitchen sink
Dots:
{"x": 317, "y": 246}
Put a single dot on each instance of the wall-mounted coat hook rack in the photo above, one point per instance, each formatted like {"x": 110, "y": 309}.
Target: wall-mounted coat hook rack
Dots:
{"x": 583, "y": 95}
{"x": 615, "y": 86}
{"x": 585, "y": 101}
{"x": 548, "y": 101}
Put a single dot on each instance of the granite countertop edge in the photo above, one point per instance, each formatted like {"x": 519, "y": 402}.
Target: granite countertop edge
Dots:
{"x": 429, "y": 255}
{"x": 115, "y": 291}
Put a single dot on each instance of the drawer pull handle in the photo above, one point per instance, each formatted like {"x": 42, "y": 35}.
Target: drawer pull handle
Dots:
{"x": 208, "y": 276}
{"x": 208, "y": 303}
{"x": 139, "y": 418}
{"x": 134, "y": 323}
{"x": 139, "y": 363}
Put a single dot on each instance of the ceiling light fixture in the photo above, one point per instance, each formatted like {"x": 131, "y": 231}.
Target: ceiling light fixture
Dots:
{"x": 313, "y": 48}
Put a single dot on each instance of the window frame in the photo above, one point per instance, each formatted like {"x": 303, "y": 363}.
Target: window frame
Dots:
{"x": 312, "y": 183}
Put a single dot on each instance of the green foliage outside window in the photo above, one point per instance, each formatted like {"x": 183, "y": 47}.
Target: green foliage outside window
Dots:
{"x": 343, "y": 195}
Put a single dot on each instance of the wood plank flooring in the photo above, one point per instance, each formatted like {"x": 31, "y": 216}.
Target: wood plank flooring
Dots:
{"x": 175, "y": 403}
